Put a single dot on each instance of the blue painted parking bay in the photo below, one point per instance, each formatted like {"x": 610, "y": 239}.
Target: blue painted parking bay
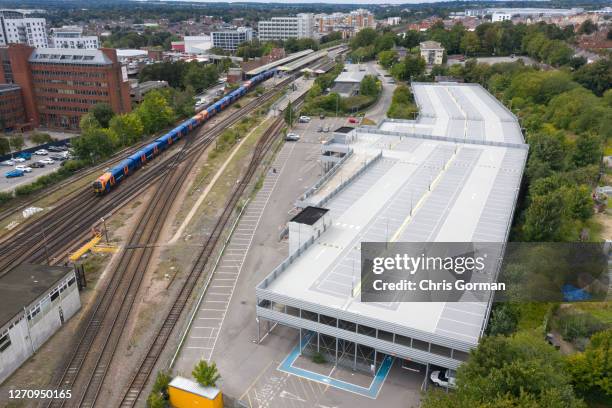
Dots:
{"x": 371, "y": 392}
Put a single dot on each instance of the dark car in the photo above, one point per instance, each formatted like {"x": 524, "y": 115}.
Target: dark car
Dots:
{"x": 37, "y": 165}
{"x": 55, "y": 149}
{"x": 58, "y": 157}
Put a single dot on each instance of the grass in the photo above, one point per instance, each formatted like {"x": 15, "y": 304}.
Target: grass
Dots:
{"x": 600, "y": 310}
{"x": 532, "y": 315}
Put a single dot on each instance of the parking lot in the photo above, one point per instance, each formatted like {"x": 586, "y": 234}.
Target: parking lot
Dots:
{"x": 9, "y": 184}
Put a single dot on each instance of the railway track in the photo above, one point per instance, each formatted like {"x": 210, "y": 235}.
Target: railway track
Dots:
{"x": 141, "y": 376}
{"x": 54, "y": 234}
{"x": 86, "y": 370}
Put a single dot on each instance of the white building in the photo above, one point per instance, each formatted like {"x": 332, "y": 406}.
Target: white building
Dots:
{"x": 35, "y": 301}
{"x": 432, "y": 52}
{"x": 16, "y": 27}
{"x": 501, "y": 16}
{"x": 283, "y": 28}
{"x": 72, "y": 37}
{"x": 229, "y": 40}
{"x": 197, "y": 44}
{"x": 393, "y": 20}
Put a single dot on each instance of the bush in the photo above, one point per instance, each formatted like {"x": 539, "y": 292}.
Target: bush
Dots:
{"x": 574, "y": 325}
{"x": 41, "y": 138}
{"x": 318, "y": 358}
{"x": 5, "y": 197}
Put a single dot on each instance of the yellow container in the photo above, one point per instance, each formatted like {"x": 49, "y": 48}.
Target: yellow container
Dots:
{"x": 186, "y": 393}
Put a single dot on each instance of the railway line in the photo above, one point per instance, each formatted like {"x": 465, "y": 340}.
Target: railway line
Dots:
{"x": 87, "y": 368}
{"x": 54, "y": 234}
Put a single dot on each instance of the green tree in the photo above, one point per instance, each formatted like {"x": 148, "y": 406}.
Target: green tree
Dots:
{"x": 587, "y": 27}
{"x": 588, "y": 149}
{"x": 544, "y": 218}
{"x": 411, "y": 66}
{"x": 95, "y": 144}
{"x": 470, "y": 44}
{"x": 200, "y": 76}
{"x": 363, "y": 38}
{"x": 578, "y": 202}
{"x": 596, "y": 76}
{"x": 128, "y": 128}
{"x": 155, "y": 112}
{"x": 88, "y": 122}
{"x": 103, "y": 113}
{"x": 387, "y": 58}
{"x": 369, "y": 86}
{"x": 590, "y": 370}
{"x": 155, "y": 400}
{"x": 519, "y": 371}
{"x": 504, "y": 319}
{"x": 16, "y": 143}
{"x": 206, "y": 374}
{"x": 289, "y": 114}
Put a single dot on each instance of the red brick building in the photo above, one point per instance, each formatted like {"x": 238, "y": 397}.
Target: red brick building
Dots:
{"x": 12, "y": 112}
{"x": 60, "y": 85}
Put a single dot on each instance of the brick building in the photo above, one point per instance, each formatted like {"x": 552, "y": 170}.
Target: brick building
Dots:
{"x": 61, "y": 85}
{"x": 12, "y": 113}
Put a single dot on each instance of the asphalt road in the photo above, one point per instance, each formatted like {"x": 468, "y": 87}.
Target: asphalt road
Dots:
{"x": 9, "y": 184}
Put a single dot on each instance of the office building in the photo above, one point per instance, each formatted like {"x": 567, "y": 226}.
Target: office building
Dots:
{"x": 59, "y": 86}
{"x": 283, "y": 28}
{"x": 460, "y": 164}
{"x": 229, "y": 40}
{"x": 72, "y": 37}
{"x": 17, "y": 28}
{"x": 12, "y": 112}
{"x": 37, "y": 301}
{"x": 197, "y": 44}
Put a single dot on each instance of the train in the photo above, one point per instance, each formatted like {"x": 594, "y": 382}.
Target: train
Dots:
{"x": 132, "y": 163}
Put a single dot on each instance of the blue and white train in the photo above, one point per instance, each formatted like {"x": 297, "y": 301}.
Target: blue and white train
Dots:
{"x": 115, "y": 175}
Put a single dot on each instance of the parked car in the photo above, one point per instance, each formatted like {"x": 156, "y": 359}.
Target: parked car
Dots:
{"x": 292, "y": 137}
{"x": 304, "y": 119}
{"x": 41, "y": 152}
{"x": 24, "y": 168}
{"x": 37, "y": 165}
{"x": 353, "y": 120}
{"x": 7, "y": 163}
{"x": 58, "y": 157}
{"x": 55, "y": 149}
{"x": 18, "y": 159}
{"x": 13, "y": 173}
{"x": 25, "y": 155}
{"x": 443, "y": 378}
{"x": 321, "y": 116}
{"x": 320, "y": 129}
{"x": 46, "y": 161}
{"x": 326, "y": 130}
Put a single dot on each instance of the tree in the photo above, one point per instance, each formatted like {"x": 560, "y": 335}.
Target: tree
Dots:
{"x": 95, "y": 144}
{"x": 289, "y": 114}
{"x": 16, "y": 143}
{"x": 200, "y": 76}
{"x": 155, "y": 400}
{"x": 363, "y": 38}
{"x": 587, "y": 27}
{"x": 128, "y": 128}
{"x": 519, "y": 371}
{"x": 155, "y": 112}
{"x": 387, "y": 58}
{"x": 103, "y": 113}
{"x": 410, "y": 67}
{"x": 88, "y": 122}
{"x": 590, "y": 370}
{"x": 578, "y": 201}
{"x": 588, "y": 149}
{"x": 544, "y": 218}
{"x": 369, "y": 86}
{"x": 470, "y": 44}
{"x": 596, "y": 76}
{"x": 206, "y": 374}
{"x": 158, "y": 398}
{"x": 504, "y": 319}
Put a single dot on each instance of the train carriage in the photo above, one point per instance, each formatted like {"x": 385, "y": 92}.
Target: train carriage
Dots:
{"x": 114, "y": 176}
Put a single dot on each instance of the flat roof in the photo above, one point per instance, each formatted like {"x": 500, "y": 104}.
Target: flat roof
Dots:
{"x": 309, "y": 215}
{"x": 410, "y": 189}
{"x": 344, "y": 129}
{"x": 70, "y": 55}
{"x": 25, "y": 283}
{"x": 461, "y": 111}
{"x": 281, "y": 61}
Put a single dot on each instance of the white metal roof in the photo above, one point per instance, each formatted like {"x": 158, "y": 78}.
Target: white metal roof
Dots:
{"x": 69, "y": 55}
{"x": 457, "y": 192}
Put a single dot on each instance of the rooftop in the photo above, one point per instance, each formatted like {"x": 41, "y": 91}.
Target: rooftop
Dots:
{"x": 344, "y": 129}
{"x": 9, "y": 87}
{"x": 309, "y": 215}
{"x": 24, "y": 284}
{"x": 408, "y": 188}
{"x": 193, "y": 387}
{"x": 431, "y": 45}
{"x": 279, "y": 62}
{"x": 70, "y": 55}
{"x": 459, "y": 111}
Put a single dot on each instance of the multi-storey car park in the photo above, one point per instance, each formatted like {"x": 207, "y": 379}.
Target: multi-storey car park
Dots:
{"x": 451, "y": 175}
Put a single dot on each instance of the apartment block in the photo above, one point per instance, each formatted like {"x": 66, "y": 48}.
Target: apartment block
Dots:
{"x": 12, "y": 113}
{"x": 17, "y": 28}
{"x": 283, "y": 28}
{"x": 59, "y": 86}
{"x": 72, "y": 37}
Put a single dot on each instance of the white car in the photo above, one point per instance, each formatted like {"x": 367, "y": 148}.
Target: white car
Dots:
{"x": 25, "y": 169}
{"x": 292, "y": 137}
{"x": 443, "y": 378}
{"x": 46, "y": 161}
{"x": 304, "y": 119}
{"x": 18, "y": 159}
{"x": 7, "y": 163}
{"x": 41, "y": 152}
